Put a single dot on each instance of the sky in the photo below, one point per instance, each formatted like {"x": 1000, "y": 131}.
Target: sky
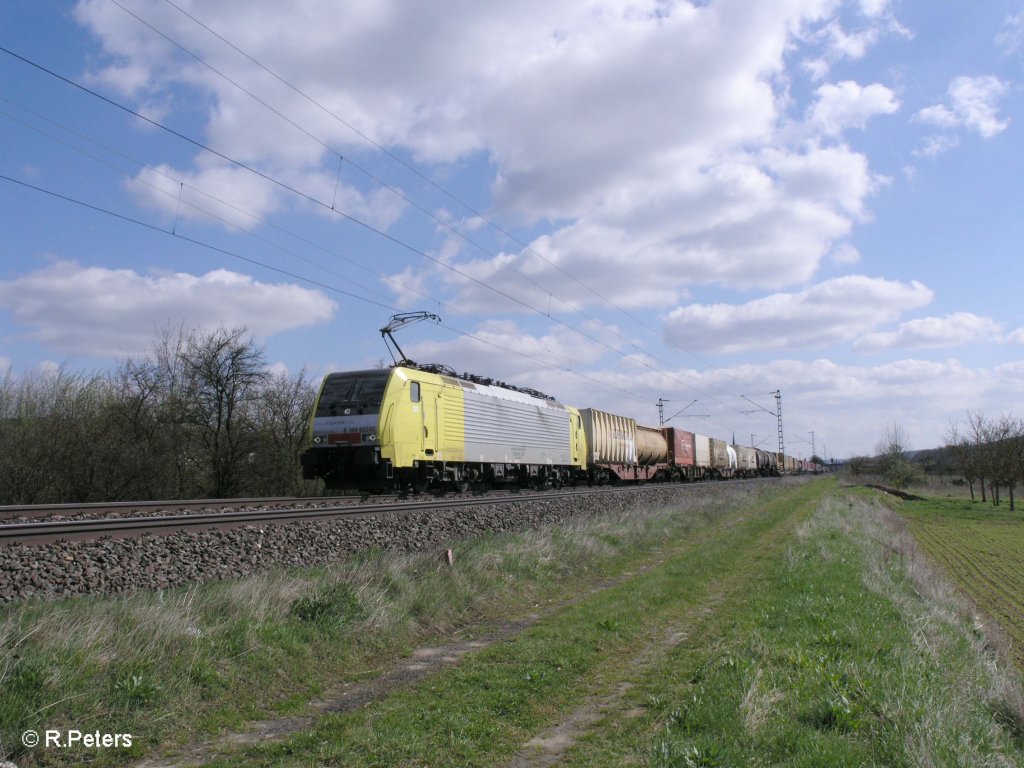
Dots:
{"x": 702, "y": 202}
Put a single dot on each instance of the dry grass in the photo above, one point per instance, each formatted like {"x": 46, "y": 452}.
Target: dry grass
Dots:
{"x": 942, "y": 622}
{"x": 758, "y": 705}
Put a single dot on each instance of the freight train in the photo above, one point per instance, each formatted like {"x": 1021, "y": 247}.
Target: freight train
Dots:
{"x": 422, "y": 428}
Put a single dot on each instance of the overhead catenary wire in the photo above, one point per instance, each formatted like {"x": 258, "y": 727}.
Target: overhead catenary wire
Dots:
{"x": 525, "y": 246}
{"x": 310, "y": 198}
{"x": 411, "y": 168}
{"x": 348, "y": 217}
{"x": 215, "y": 217}
{"x": 219, "y": 201}
{"x": 341, "y": 157}
{"x": 423, "y": 254}
{"x": 194, "y": 241}
{"x": 333, "y": 289}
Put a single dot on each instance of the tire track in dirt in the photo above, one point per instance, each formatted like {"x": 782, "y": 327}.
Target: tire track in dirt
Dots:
{"x": 422, "y": 663}
{"x": 550, "y": 746}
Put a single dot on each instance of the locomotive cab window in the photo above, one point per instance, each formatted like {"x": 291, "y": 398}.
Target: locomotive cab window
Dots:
{"x": 414, "y": 391}
{"x": 355, "y": 391}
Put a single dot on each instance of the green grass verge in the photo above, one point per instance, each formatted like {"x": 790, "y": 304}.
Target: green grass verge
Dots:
{"x": 807, "y": 631}
{"x": 846, "y": 652}
{"x": 181, "y": 665}
{"x": 481, "y": 712}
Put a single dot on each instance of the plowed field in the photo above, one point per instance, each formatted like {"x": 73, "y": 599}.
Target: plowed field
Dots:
{"x": 982, "y": 549}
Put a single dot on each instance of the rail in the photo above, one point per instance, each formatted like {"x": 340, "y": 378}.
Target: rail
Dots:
{"x": 122, "y": 527}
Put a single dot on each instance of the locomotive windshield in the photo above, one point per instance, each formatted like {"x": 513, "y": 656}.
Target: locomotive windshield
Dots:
{"x": 359, "y": 391}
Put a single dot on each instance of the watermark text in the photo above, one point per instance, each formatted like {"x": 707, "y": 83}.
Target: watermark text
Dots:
{"x": 72, "y": 737}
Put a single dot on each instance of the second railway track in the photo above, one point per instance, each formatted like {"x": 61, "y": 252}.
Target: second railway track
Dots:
{"x": 92, "y": 527}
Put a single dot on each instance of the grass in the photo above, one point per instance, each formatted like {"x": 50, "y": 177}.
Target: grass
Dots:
{"x": 174, "y": 666}
{"x": 480, "y": 713}
{"x": 849, "y": 650}
{"x": 981, "y": 548}
{"x": 797, "y": 626}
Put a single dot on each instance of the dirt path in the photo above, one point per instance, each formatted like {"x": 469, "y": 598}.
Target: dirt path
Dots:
{"x": 545, "y": 748}
{"x": 550, "y": 746}
{"x": 422, "y": 663}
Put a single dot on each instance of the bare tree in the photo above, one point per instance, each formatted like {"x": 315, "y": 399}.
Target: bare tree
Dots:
{"x": 282, "y": 414}
{"x": 1016, "y": 456}
{"x": 978, "y": 434}
{"x": 224, "y": 373}
{"x": 894, "y": 453}
{"x": 28, "y": 440}
{"x": 964, "y": 454}
{"x": 1003, "y": 448}
{"x": 990, "y": 451}
{"x": 197, "y": 415}
{"x": 858, "y": 465}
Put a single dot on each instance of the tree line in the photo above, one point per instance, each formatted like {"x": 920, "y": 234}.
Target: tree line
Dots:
{"x": 989, "y": 452}
{"x": 198, "y": 416}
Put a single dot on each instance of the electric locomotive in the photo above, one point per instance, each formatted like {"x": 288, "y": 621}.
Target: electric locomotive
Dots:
{"x": 410, "y": 428}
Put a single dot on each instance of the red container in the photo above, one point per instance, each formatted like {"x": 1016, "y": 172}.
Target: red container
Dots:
{"x": 682, "y": 445}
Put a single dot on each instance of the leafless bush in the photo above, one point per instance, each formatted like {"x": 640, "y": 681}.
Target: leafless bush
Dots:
{"x": 199, "y": 415}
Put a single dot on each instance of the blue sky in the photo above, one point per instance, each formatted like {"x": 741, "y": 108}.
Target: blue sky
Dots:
{"x": 609, "y": 201}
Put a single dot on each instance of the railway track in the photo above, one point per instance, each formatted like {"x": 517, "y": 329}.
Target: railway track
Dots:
{"x": 189, "y": 517}
{"x": 18, "y": 512}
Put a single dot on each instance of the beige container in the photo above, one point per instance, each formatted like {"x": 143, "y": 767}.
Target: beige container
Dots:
{"x": 746, "y": 459}
{"x": 702, "y": 450}
{"x": 719, "y": 454}
{"x": 651, "y": 446}
{"x": 611, "y": 439}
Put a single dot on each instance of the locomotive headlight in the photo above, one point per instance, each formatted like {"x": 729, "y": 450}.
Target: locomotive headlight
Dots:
{"x": 371, "y": 437}
{"x": 317, "y": 439}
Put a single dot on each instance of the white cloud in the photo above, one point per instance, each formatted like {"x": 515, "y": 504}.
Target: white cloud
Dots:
{"x": 848, "y": 104}
{"x": 857, "y": 401}
{"x": 845, "y": 254}
{"x": 1011, "y": 34}
{"x": 743, "y": 221}
{"x": 96, "y": 311}
{"x": 874, "y": 8}
{"x": 1017, "y": 336}
{"x": 847, "y": 405}
{"x": 936, "y": 145}
{"x": 504, "y": 349}
{"x": 850, "y": 45}
{"x": 973, "y": 104}
{"x": 221, "y": 192}
{"x": 933, "y": 333}
{"x": 641, "y": 128}
{"x": 212, "y": 192}
{"x": 836, "y": 310}
{"x": 836, "y": 43}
